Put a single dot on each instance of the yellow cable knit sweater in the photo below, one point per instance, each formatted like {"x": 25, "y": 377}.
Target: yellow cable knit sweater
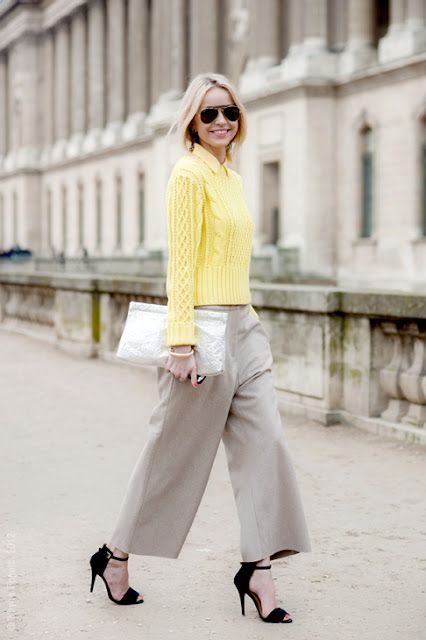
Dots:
{"x": 210, "y": 234}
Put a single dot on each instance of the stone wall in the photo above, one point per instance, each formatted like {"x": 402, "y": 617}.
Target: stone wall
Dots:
{"x": 84, "y": 155}
{"x": 339, "y": 356}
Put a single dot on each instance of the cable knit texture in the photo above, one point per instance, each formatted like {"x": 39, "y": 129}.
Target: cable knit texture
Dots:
{"x": 210, "y": 233}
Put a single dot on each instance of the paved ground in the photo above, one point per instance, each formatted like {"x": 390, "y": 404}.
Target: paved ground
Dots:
{"x": 71, "y": 432}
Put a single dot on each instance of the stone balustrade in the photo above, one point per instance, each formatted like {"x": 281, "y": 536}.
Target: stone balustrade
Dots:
{"x": 28, "y": 308}
{"x": 357, "y": 357}
{"x": 403, "y": 379}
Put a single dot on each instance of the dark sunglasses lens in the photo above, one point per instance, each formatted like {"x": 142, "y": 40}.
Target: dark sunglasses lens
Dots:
{"x": 231, "y": 113}
{"x": 208, "y": 115}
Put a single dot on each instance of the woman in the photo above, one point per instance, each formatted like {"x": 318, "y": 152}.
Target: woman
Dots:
{"x": 210, "y": 241}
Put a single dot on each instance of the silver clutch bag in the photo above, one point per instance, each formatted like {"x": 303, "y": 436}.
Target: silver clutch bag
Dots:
{"x": 143, "y": 340}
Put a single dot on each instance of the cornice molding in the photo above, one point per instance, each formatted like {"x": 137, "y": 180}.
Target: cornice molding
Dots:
{"x": 31, "y": 18}
{"x": 58, "y": 10}
{"x": 25, "y": 20}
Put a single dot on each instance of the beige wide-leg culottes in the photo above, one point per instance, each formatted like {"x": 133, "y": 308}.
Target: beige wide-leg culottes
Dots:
{"x": 184, "y": 432}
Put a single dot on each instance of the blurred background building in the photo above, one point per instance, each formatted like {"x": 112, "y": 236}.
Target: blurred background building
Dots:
{"x": 334, "y": 165}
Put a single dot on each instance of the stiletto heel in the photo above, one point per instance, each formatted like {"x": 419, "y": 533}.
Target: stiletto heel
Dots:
{"x": 241, "y": 581}
{"x": 98, "y": 563}
{"x": 93, "y": 579}
{"x": 242, "y": 596}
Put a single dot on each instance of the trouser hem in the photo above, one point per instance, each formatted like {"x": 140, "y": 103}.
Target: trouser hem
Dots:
{"x": 275, "y": 555}
{"x": 140, "y": 551}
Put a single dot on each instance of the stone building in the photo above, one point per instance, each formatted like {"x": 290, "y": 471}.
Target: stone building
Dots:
{"x": 335, "y": 161}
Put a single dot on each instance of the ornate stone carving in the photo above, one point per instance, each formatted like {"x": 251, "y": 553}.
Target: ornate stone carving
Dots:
{"x": 404, "y": 378}
{"x": 411, "y": 380}
{"x": 390, "y": 375}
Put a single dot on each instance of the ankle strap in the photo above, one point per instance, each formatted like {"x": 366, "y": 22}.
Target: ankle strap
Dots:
{"x": 268, "y": 567}
{"x": 111, "y": 555}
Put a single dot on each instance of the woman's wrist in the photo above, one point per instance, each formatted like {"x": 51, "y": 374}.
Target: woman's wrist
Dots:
{"x": 181, "y": 348}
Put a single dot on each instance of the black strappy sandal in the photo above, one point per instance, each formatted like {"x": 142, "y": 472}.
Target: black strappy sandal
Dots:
{"x": 241, "y": 581}
{"x": 98, "y": 562}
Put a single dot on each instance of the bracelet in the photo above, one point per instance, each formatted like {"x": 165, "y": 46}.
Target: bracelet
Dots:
{"x": 181, "y": 355}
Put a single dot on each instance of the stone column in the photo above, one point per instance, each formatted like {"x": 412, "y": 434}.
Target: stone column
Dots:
{"x": 359, "y": 51}
{"x": 96, "y": 86}
{"x": 308, "y": 53}
{"x": 78, "y": 81}
{"x": 416, "y": 10}
{"x": 13, "y": 104}
{"x": 62, "y": 85}
{"x": 167, "y": 58}
{"x": 263, "y": 42}
{"x": 264, "y": 33}
{"x": 203, "y": 37}
{"x": 360, "y": 22}
{"x": 25, "y": 128}
{"x": 407, "y": 34}
{"x": 314, "y": 24}
{"x": 415, "y": 28}
{"x": 137, "y": 67}
{"x": 396, "y": 14}
{"x": 337, "y": 25}
{"x": 295, "y": 19}
{"x": 3, "y": 105}
{"x": 389, "y": 45}
{"x": 27, "y": 75}
{"x": 158, "y": 47}
{"x": 138, "y": 55}
{"x": 116, "y": 70}
{"x": 48, "y": 68}
{"x": 178, "y": 42}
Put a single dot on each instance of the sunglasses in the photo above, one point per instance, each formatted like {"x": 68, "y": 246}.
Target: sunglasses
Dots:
{"x": 209, "y": 114}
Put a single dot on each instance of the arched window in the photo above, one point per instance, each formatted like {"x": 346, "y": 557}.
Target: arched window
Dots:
{"x": 367, "y": 182}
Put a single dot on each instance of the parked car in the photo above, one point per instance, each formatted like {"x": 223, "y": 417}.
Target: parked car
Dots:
{"x": 15, "y": 253}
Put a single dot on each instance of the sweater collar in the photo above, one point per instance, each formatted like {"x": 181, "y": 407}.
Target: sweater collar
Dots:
{"x": 211, "y": 161}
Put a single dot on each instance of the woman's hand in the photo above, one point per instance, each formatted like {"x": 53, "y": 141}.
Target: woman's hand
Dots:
{"x": 182, "y": 367}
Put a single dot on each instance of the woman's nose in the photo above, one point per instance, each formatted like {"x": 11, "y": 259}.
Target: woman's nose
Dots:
{"x": 220, "y": 118}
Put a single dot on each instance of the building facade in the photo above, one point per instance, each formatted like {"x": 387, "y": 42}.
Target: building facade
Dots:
{"x": 334, "y": 164}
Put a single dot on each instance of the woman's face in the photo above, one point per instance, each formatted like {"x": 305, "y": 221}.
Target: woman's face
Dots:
{"x": 217, "y": 134}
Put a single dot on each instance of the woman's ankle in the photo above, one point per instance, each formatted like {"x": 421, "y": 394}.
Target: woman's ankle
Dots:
{"x": 263, "y": 563}
{"x": 118, "y": 552}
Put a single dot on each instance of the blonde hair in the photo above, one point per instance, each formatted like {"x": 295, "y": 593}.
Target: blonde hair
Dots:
{"x": 192, "y": 100}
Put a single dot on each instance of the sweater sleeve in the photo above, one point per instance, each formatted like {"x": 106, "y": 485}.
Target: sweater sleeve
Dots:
{"x": 184, "y": 214}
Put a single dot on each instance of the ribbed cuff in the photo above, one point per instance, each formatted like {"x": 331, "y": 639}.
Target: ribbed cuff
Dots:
{"x": 180, "y": 333}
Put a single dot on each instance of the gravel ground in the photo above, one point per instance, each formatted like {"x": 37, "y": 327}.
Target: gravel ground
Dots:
{"x": 72, "y": 430}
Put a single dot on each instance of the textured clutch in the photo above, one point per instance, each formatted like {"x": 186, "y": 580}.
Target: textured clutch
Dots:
{"x": 143, "y": 340}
